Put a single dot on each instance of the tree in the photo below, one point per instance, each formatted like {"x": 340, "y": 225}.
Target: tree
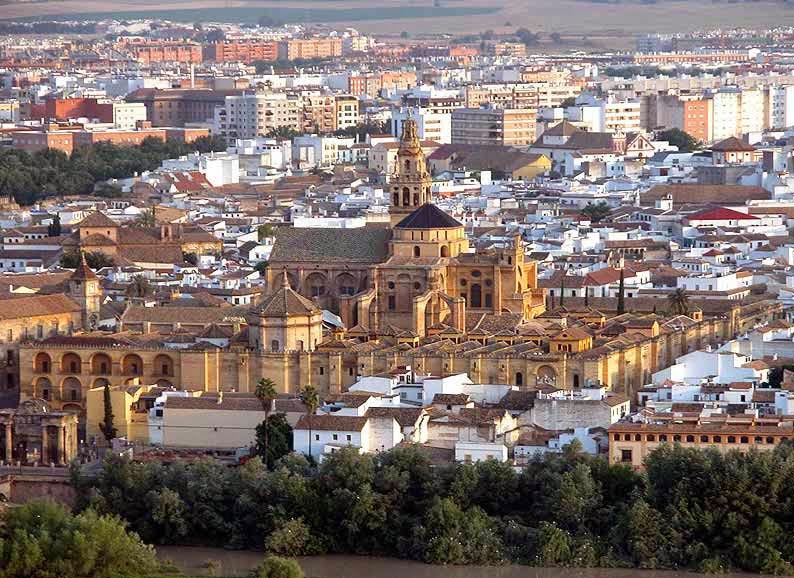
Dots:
{"x": 139, "y": 288}
{"x": 678, "y": 301}
{"x": 42, "y": 538}
{"x": 264, "y": 231}
{"x": 290, "y": 538}
{"x": 527, "y": 37}
{"x": 106, "y": 426}
{"x": 279, "y": 439}
{"x": 95, "y": 260}
{"x": 621, "y": 309}
{"x": 311, "y": 400}
{"x": 776, "y": 375}
{"x": 276, "y": 567}
{"x": 145, "y": 219}
{"x": 261, "y": 267}
{"x": 596, "y": 212}
{"x": 283, "y": 132}
{"x": 266, "y": 394}
{"x": 54, "y": 228}
{"x": 683, "y": 140}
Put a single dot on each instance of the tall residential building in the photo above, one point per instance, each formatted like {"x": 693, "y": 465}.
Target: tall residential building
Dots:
{"x": 493, "y": 126}
{"x": 251, "y": 115}
{"x": 780, "y": 106}
{"x": 309, "y": 48}
{"x": 753, "y": 119}
{"x": 347, "y": 111}
{"x": 727, "y": 113}
{"x": 697, "y": 117}
{"x": 241, "y": 50}
{"x": 435, "y": 126}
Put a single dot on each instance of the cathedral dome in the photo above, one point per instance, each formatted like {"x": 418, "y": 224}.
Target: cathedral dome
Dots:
{"x": 428, "y": 216}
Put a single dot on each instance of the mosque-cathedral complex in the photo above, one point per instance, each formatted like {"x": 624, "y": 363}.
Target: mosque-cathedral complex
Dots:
{"x": 410, "y": 294}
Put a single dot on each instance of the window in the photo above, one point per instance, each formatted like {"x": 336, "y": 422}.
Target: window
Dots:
{"x": 616, "y": 437}
{"x": 731, "y": 439}
{"x": 704, "y": 439}
{"x": 625, "y": 456}
{"x": 626, "y": 437}
{"x": 349, "y": 437}
{"x": 651, "y": 438}
{"x": 717, "y": 439}
{"x": 663, "y": 438}
{"x": 274, "y": 345}
{"x": 336, "y": 437}
{"x": 317, "y": 437}
{"x": 745, "y": 440}
{"x": 321, "y": 369}
{"x": 676, "y": 438}
{"x": 45, "y": 394}
{"x": 690, "y": 439}
{"x": 758, "y": 439}
{"x": 392, "y": 303}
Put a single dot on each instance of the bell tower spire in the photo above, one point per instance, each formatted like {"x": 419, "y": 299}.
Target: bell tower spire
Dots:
{"x": 410, "y": 183}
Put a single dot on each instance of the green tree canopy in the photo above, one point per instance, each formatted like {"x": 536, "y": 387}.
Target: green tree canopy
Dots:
{"x": 683, "y": 140}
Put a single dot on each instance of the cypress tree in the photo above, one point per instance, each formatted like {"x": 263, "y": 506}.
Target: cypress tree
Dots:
{"x": 621, "y": 295}
{"x": 106, "y": 427}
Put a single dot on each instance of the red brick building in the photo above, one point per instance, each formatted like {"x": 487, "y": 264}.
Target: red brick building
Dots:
{"x": 245, "y": 51}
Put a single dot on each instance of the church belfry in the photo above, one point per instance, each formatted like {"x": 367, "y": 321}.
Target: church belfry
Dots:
{"x": 410, "y": 183}
{"x": 85, "y": 289}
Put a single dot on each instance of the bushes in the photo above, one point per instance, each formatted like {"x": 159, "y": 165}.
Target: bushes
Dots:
{"x": 692, "y": 509}
{"x": 275, "y": 567}
{"x": 42, "y": 539}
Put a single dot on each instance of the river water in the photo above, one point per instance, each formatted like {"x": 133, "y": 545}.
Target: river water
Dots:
{"x": 192, "y": 561}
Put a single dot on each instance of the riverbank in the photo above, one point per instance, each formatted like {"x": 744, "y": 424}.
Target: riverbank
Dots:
{"x": 193, "y": 561}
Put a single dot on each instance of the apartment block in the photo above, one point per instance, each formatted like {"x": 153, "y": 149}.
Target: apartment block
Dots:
{"x": 244, "y": 50}
{"x": 309, "y": 48}
{"x": 493, "y": 126}
{"x": 252, "y": 115}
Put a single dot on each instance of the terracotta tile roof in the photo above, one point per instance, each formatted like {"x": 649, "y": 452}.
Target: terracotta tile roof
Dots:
{"x": 691, "y": 193}
{"x": 362, "y": 245}
{"x": 732, "y": 144}
{"x": 328, "y": 422}
{"x": 189, "y": 315}
{"x": 97, "y": 219}
{"x": 720, "y": 214}
{"x": 451, "y": 398}
{"x": 285, "y": 301}
{"x": 405, "y": 416}
{"x": 227, "y": 403}
{"x": 36, "y": 306}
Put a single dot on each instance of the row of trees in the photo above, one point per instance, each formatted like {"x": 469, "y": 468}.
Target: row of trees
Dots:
{"x": 50, "y": 172}
{"x": 690, "y": 509}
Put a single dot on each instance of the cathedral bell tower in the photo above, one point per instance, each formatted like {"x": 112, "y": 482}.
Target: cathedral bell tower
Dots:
{"x": 410, "y": 183}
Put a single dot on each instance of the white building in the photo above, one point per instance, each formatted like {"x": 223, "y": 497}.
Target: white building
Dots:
{"x": 435, "y": 126}
{"x": 257, "y": 114}
{"x": 127, "y": 115}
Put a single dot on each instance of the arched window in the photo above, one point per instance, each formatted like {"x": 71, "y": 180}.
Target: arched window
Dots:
{"x": 407, "y": 164}
{"x": 396, "y": 199}
{"x": 576, "y": 380}
{"x": 417, "y": 251}
{"x": 406, "y": 196}
{"x": 444, "y": 251}
{"x": 519, "y": 378}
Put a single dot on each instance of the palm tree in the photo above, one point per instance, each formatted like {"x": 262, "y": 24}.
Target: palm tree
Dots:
{"x": 679, "y": 302}
{"x": 139, "y": 287}
{"x": 311, "y": 400}
{"x": 145, "y": 219}
{"x": 266, "y": 394}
